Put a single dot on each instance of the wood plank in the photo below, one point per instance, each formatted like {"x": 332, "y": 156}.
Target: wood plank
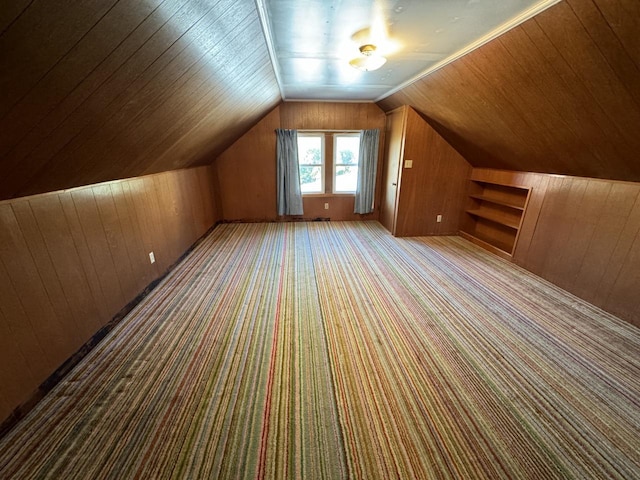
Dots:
{"x": 5, "y": 406}
{"x": 567, "y": 207}
{"x": 33, "y": 223}
{"x": 210, "y": 188}
{"x": 115, "y": 240}
{"x": 87, "y": 210}
{"x": 193, "y": 107}
{"x": 145, "y": 212}
{"x": 619, "y": 254}
{"x": 160, "y": 109}
{"x": 622, "y": 16}
{"x": 31, "y": 293}
{"x": 606, "y": 237}
{"x": 555, "y": 95}
{"x": 140, "y": 266}
{"x": 592, "y": 70}
{"x": 92, "y": 94}
{"x": 33, "y": 367}
{"x": 167, "y": 48}
{"x": 153, "y": 212}
{"x": 589, "y": 117}
{"x": 623, "y": 299}
{"x": 188, "y": 189}
{"x": 63, "y": 24}
{"x": 83, "y": 248}
{"x": 15, "y": 376}
{"x": 587, "y": 215}
{"x": 549, "y": 218}
{"x": 194, "y": 145}
{"x": 497, "y": 216}
{"x": 150, "y": 97}
{"x": 176, "y": 90}
{"x": 137, "y": 201}
{"x": 10, "y": 12}
{"x": 201, "y": 209}
{"x": 538, "y": 184}
{"x": 58, "y": 280}
{"x": 530, "y": 100}
{"x": 610, "y": 45}
{"x": 168, "y": 210}
{"x": 567, "y": 122}
{"x": 79, "y": 62}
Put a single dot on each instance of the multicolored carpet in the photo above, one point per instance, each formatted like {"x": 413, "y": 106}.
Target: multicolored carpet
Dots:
{"x": 333, "y": 350}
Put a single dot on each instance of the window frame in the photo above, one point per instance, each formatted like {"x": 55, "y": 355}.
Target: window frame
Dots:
{"x": 322, "y": 163}
{"x": 328, "y": 161}
{"x": 336, "y": 135}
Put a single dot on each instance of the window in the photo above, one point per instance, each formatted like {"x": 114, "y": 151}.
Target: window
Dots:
{"x": 311, "y": 162}
{"x": 345, "y": 165}
{"x": 328, "y": 162}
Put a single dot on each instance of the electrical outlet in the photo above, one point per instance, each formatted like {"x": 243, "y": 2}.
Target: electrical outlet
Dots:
{"x": 326, "y": 206}
{"x": 439, "y": 218}
{"x": 152, "y": 257}
{"x": 408, "y": 164}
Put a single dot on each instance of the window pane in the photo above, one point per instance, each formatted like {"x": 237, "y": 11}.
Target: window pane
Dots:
{"x": 346, "y": 179}
{"x": 347, "y": 149}
{"x": 310, "y": 179}
{"x": 310, "y": 149}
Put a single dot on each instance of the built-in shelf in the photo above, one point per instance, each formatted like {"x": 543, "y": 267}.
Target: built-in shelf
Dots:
{"x": 494, "y": 216}
{"x": 496, "y": 201}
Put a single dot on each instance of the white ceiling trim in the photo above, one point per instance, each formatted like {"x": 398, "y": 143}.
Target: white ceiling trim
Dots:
{"x": 327, "y": 100}
{"x": 505, "y": 27}
{"x": 266, "y": 29}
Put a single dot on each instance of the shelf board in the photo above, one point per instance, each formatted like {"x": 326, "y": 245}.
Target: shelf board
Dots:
{"x": 500, "y": 183}
{"x": 494, "y": 217}
{"x": 496, "y": 201}
{"x": 502, "y": 250}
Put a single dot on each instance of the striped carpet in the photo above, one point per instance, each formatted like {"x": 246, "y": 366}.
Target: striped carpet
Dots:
{"x": 333, "y": 350}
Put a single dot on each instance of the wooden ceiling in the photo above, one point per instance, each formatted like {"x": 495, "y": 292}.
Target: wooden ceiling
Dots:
{"x": 104, "y": 89}
{"x": 558, "y": 94}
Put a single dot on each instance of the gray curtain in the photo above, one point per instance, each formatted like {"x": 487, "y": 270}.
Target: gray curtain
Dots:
{"x": 367, "y": 167}
{"x": 289, "y": 195}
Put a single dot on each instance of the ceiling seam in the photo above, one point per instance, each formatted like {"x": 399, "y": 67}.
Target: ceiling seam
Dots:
{"x": 268, "y": 36}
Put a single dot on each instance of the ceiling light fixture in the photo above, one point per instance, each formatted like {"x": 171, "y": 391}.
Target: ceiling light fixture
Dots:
{"x": 369, "y": 60}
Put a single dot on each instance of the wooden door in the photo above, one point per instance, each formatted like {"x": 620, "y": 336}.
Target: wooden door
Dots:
{"x": 394, "y": 147}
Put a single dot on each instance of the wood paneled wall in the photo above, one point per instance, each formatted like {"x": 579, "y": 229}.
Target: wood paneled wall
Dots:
{"x": 435, "y": 185}
{"x": 70, "y": 260}
{"x": 105, "y": 89}
{"x": 582, "y": 234}
{"x": 558, "y": 94}
{"x": 247, "y": 169}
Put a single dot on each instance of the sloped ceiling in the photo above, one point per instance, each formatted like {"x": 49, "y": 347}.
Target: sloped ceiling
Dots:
{"x": 313, "y": 42}
{"x": 558, "y": 94}
{"x": 105, "y": 89}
